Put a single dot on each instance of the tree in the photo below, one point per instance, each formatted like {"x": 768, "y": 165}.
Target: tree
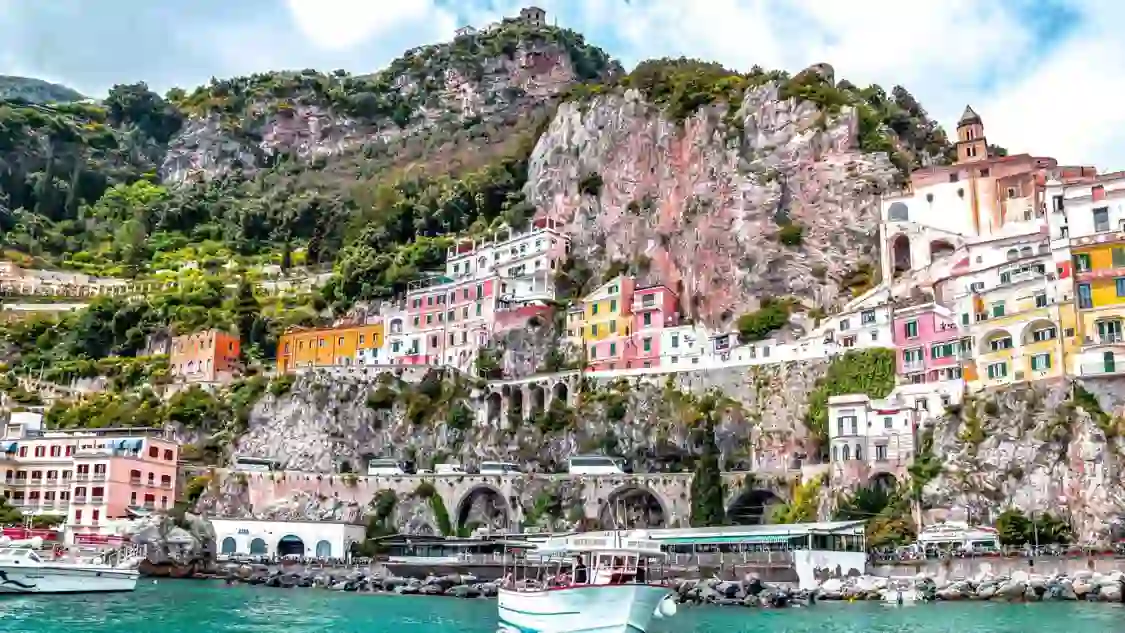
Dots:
{"x": 708, "y": 493}
{"x": 1016, "y": 528}
{"x": 8, "y": 514}
{"x": 247, "y": 311}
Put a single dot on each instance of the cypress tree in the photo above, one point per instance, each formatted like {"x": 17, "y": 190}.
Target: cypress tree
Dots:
{"x": 707, "y": 490}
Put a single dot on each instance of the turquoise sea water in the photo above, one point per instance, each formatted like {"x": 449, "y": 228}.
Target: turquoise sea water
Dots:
{"x": 210, "y": 607}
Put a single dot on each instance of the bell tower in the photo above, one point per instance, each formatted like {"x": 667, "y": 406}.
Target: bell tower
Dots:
{"x": 971, "y": 143}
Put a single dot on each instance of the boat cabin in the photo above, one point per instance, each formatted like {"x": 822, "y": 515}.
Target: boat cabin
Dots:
{"x": 611, "y": 558}
{"x": 19, "y": 556}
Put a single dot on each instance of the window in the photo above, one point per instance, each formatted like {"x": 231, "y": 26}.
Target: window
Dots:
{"x": 998, "y": 309}
{"x": 613, "y": 305}
{"x": 1041, "y": 300}
{"x": 855, "y": 426}
{"x": 478, "y": 309}
{"x": 593, "y": 351}
{"x": 153, "y": 452}
{"x": 964, "y": 318}
{"x": 888, "y": 422}
{"x": 858, "y": 452}
{"x": 1109, "y": 331}
{"x": 1085, "y": 299}
{"x": 594, "y": 330}
{"x": 1040, "y": 362}
{"x": 1120, "y": 283}
{"x": 840, "y": 426}
{"x": 1101, "y": 219}
{"x": 912, "y": 356}
{"x": 613, "y": 349}
{"x": 647, "y": 318}
{"x": 941, "y": 350}
{"x": 612, "y": 326}
{"x": 997, "y": 370}
{"x": 867, "y": 317}
{"x": 1046, "y": 334}
{"x": 880, "y": 452}
{"x": 1003, "y": 342}
{"x": 594, "y": 309}
{"x": 844, "y": 325}
{"x": 613, "y": 289}
{"x": 647, "y": 344}
{"x": 675, "y": 340}
{"x": 984, "y": 172}
{"x": 835, "y": 453}
{"x": 911, "y": 329}
{"x": 320, "y": 343}
{"x": 1082, "y": 262}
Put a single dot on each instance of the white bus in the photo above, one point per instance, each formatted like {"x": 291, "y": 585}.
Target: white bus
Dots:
{"x": 596, "y": 465}
{"x": 958, "y": 535}
{"x": 255, "y": 464}
{"x": 498, "y": 468}
{"x": 385, "y": 467}
{"x": 449, "y": 469}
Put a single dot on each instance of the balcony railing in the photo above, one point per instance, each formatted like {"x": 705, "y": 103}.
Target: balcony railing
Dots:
{"x": 81, "y": 476}
{"x": 80, "y": 500}
{"x": 1102, "y": 369}
{"x": 136, "y": 481}
{"x": 913, "y": 366}
{"x": 97, "y": 501}
{"x": 166, "y": 484}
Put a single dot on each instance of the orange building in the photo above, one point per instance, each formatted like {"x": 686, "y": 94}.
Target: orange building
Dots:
{"x": 207, "y": 356}
{"x": 326, "y": 347}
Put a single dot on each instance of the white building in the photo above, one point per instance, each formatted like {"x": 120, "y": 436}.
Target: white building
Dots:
{"x": 309, "y": 539}
{"x": 870, "y": 441}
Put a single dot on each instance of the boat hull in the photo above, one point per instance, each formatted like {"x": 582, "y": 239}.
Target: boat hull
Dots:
{"x": 49, "y": 579}
{"x": 581, "y": 609}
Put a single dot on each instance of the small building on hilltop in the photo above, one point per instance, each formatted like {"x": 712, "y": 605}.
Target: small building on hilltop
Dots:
{"x": 207, "y": 356}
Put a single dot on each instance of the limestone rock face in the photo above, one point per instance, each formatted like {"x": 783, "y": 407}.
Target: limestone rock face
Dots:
{"x": 698, "y": 205}
{"x": 1036, "y": 448}
{"x": 192, "y": 541}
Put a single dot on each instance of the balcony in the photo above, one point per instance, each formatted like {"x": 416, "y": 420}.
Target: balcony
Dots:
{"x": 135, "y": 481}
{"x": 97, "y": 501}
{"x": 913, "y": 366}
{"x": 80, "y": 500}
{"x": 166, "y": 484}
{"x": 98, "y": 476}
{"x": 82, "y": 477}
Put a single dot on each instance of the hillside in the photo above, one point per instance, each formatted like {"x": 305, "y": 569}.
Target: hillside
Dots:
{"x": 36, "y": 90}
{"x": 753, "y": 195}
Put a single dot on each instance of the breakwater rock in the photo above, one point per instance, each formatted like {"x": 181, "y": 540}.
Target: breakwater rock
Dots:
{"x": 1017, "y": 587}
{"x": 376, "y": 580}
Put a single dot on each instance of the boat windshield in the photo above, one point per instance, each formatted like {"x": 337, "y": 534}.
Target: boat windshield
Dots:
{"x": 531, "y": 572}
{"x": 15, "y": 553}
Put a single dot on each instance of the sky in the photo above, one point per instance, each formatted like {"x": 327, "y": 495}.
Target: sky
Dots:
{"x": 1046, "y": 76}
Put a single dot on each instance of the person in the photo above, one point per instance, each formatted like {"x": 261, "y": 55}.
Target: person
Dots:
{"x": 579, "y": 571}
{"x": 641, "y": 575}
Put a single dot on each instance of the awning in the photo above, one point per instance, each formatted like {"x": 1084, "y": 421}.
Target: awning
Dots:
{"x": 134, "y": 445}
{"x": 10, "y": 447}
{"x": 120, "y": 444}
{"x": 716, "y": 540}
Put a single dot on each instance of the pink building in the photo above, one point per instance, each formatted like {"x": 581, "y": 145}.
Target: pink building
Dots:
{"x": 654, "y": 309}
{"x": 928, "y": 340}
{"x": 88, "y": 476}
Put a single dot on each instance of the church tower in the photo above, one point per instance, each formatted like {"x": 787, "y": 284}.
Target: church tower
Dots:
{"x": 971, "y": 144}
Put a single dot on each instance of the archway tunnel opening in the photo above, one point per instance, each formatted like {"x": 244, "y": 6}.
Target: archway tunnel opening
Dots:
{"x": 754, "y": 507}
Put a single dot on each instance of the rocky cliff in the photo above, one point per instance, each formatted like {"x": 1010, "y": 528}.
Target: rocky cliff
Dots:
{"x": 1039, "y": 447}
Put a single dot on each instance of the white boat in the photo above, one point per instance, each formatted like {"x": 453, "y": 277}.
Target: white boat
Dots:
{"x": 24, "y": 571}
{"x": 621, "y": 591}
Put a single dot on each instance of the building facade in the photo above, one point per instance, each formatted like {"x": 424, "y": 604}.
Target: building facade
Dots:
{"x": 207, "y": 356}
{"x": 88, "y": 476}
{"x": 871, "y": 442}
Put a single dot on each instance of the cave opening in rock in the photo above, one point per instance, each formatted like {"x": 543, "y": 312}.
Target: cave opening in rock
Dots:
{"x": 753, "y": 507}
{"x": 538, "y": 400}
{"x": 632, "y": 507}
{"x": 482, "y": 507}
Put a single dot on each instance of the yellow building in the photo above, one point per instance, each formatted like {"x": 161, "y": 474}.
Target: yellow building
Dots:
{"x": 607, "y": 320}
{"x": 1099, "y": 293}
{"x": 1016, "y": 337}
{"x": 326, "y": 347}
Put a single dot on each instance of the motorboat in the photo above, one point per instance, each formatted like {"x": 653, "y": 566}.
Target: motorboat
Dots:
{"x": 23, "y": 570}
{"x": 602, "y": 582}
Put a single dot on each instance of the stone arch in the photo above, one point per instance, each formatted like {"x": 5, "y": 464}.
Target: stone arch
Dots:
{"x": 515, "y": 405}
{"x": 992, "y": 335}
{"x": 482, "y": 506}
{"x": 633, "y": 506}
{"x": 940, "y": 248}
{"x": 258, "y": 547}
{"x": 753, "y": 507}
{"x": 323, "y": 549}
{"x": 493, "y": 404}
{"x": 560, "y": 392}
{"x": 900, "y": 254}
{"x": 538, "y": 397}
{"x": 1038, "y": 325}
{"x": 898, "y": 212}
{"x": 1025, "y": 251}
{"x": 290, "y": 545}
{"x": 1012, "y": 254}
{"x": 882, "y": 480}
{"x": 228, "y": 546}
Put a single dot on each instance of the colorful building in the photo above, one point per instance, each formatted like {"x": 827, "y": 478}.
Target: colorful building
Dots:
{"x": 326, "y": 347}
{"x": 930, "y": 344}
{"x": 871, "y": 442}
{"x": 89, "y": 476}
{"x": 608, "y": 325}
{"x": 1089, "y": 223}
{"x": 207, "y": 356}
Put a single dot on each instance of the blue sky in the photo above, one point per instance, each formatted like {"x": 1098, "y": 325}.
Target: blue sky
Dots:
{"x": 1048, "y": 77}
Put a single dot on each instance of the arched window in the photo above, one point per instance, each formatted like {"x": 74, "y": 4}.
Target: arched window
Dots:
{"x": 835, "y": 453}
{"x": 1013, "y": 254}
{"x": 858, "y": 452}
{"x": 228, "y": 546}
{"x": 847, "y": 453}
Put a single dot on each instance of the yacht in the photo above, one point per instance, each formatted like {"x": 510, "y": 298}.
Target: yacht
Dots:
{"x": 605, "y": 582}
{"x": 24, "y": 570}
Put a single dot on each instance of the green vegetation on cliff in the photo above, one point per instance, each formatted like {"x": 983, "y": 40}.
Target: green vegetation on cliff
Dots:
{"x": 35, "y": 90}
{"x": 708, "y": 493}
{"x": 1017, "y": 529}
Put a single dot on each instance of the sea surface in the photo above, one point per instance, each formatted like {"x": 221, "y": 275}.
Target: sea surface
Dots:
{"x": 187, "y": 606}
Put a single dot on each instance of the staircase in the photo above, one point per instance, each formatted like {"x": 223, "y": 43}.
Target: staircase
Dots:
{"x": 128, "y": 556}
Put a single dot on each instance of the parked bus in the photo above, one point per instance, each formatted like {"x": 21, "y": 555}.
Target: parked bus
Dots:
{"x": 596, "y": 465}
{"x": 255, "y": 464}
{"x": 388, "y": 466}
{"x": 498, "y": 468}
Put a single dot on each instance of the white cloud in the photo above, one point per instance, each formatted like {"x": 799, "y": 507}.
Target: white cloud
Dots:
{"x": 342, "y": 24}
